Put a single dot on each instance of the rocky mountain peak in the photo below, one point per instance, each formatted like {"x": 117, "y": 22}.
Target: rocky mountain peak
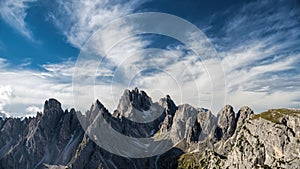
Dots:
{"x": 168, "y": 104}
{"x": 136, "y": 98}
{"x": 227, "y": 110}
{"x": 169, "y": 110}
{"x": 139, "y": 99}
{"x": 99, "y": 104}
{"x": 226, "y": 123}
{"x": 52, "y": 113}
{"x": 244, "y": 113}
{"x": 56, "y": 139}
{"x": 52, "y": 106}
{"x": 133, "y": 103}
{"x": 96, "y": 107}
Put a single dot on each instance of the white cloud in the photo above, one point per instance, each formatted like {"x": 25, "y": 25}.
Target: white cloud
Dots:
{"x": 258, "y": 44}
{"x": 253, "y": 68}
{"x": 247, "y": 68}
{"x": 260, "y": 84}
{"x": 5, "y": 98}
{"x": 80, "y": 19}
{"x": 261, "y": 101}
{"x": 25, "y": 87}
{"x": 173, "y": 71}
{"x": 63, "y": 70}
{"x": 14, "y": 13}
{"x": 32, "y": 111}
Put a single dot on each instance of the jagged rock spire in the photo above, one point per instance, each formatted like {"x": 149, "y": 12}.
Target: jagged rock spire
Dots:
{"x": 244, "y": 113}
{"x": 226, "y": 123}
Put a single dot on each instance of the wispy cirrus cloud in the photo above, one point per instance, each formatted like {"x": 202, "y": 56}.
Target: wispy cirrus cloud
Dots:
{"x": 274, "y": 22}
{"x": 22, "y": 88}
{"x": 260, "y": 55}
{"x": 78, "y": 20}
{"x": 258, "y": 45}
{"x": 14, "y": 12}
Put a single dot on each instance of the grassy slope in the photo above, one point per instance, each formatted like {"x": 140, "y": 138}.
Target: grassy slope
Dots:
{"x": 275, "y": 115}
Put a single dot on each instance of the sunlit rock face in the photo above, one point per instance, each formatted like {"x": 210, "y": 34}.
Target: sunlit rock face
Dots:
{"x": 56, "y": 138}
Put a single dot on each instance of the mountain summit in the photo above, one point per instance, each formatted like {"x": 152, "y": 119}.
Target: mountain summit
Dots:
{"x": 56, "y": 139}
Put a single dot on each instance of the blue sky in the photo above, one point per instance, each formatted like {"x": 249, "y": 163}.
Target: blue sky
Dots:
{"x": 257, "y": 42}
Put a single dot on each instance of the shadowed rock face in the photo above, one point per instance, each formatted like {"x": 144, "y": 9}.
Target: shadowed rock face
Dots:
{"x": 51, "y": 137}
{"x": 243, "y": 114}
{"x": 137, "y": 99}
{"x": 226, "y": 123}
{"x": 55, "y": 138}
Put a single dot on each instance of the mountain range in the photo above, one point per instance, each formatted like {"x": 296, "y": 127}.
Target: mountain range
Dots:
{"x": 57, "y": 138}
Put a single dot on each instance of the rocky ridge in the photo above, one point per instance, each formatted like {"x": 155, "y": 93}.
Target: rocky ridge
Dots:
{"x": 55, "y": 138}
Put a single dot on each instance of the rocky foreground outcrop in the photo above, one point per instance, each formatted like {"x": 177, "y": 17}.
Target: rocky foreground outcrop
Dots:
{"x": 56, "y": 139}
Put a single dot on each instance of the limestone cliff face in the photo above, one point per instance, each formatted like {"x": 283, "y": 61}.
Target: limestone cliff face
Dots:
{"x": 266, "y": 143}
{"x": 226, "y": 123}
{"x": 56, "y": 139}
{"x": 267, "y": 140}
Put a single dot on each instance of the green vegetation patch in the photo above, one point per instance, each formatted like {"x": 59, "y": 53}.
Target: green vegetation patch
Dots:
{"x": 201, "y": 160}
{"x": 190, "y": 161}
{"x": 275, "y": 115}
